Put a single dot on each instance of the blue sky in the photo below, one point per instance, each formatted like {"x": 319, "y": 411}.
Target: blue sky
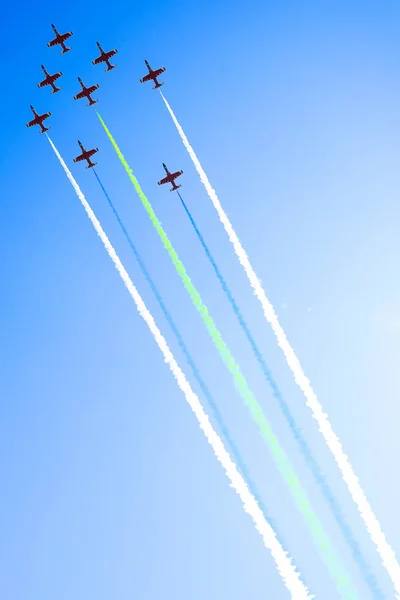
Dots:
{"x": 109, "y": 488}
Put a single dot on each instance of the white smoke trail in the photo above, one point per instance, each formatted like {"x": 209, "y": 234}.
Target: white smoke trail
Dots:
{"x": 283, "y": 562}
{"x": 372, "y": 524}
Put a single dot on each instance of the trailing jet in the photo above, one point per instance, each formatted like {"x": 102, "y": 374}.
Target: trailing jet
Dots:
{"x": 49, "y": 80}
{"x": 86, "y": 154}
{"x": 38, "y": 120}
{"x": 170, "y": 178}
{"x": 87, "y": 92}
{"x": 105, "y": 57}
{"x": 60, "y": 39}
{"x": 153, "y": 75}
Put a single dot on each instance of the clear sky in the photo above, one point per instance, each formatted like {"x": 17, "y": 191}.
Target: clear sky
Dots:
{"x": 109, "y": 489}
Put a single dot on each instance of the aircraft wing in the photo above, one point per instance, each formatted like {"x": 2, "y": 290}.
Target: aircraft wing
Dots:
{"x": 85, "y": 155}
{"x": 32, "y": 123}
{"x": 152, "y": 75}
{"x": 177, "y": 174}
{"x": 36, "y": 120}
{"x": 43, "y": 83}
{"x": 93, "y": 88}
{"x": 56, "y": 76}
{"x": 158, "y": 72}
{"x": 165, "y": 180}
{"x": 53, "y": 43}
{"x": 99, "y": 59}
{"x": 147, "y": 77}
{"x": 80, "y": 95}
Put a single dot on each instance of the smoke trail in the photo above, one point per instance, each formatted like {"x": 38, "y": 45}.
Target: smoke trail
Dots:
{"x": 233, "y": 449}
{"x": 369, "y": 577}
{"x": 283, "y": 563}
{"x": 372, "y": 524}
{"x": 321, "y": 539}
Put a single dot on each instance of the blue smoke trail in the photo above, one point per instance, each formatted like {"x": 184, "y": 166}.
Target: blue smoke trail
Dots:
{"x": 365, "y": 568}
{"x": 218, "y": 417}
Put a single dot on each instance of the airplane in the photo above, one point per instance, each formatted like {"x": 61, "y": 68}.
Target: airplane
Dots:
{"x": 86, "y": 154}
{"x": 38, "y": 120}
{"x": 87, "y": 92}
{"x": 153, "y": 75}
{"x": 49, "y": 80}
{"x": 60, "y": 39}
{"x": 170, "y": 178}
{"x": 105, "y": 57}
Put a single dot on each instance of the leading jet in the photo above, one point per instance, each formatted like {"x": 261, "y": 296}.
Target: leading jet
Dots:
{"x": 60, "y": 39}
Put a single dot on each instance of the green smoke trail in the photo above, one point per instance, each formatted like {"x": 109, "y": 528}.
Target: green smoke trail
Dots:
{"x": 322, "y": 541}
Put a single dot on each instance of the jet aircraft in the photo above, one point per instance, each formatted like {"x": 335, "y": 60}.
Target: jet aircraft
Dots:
{"x": 60, "y": 39}
{"x": 105, "y": 57}
{"x": 87, "y": 92}
{"x": 153, "y": 75}
{"x": 38, "y": 120}
{"x": 170, "y": 178}
{"x": 49, "y": 80}
{"x": 86, "y": 154}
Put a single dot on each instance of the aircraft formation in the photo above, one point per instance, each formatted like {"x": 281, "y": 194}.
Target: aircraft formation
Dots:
{"x": 237, "y": 481}
{"x": 86, "y": 92}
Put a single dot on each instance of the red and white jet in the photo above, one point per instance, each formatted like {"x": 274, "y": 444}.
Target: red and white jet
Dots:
{"x": 86, "y": 154}
{"x": 170, "y": 178}
{"x": 60, "y": 39}
{"x": 49, "y": 80}
{"x": 38, "y": 120}
{"x": 105, "y": 57}
{"x": 87, "y": 92}
{"x": 153, "y": 75}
